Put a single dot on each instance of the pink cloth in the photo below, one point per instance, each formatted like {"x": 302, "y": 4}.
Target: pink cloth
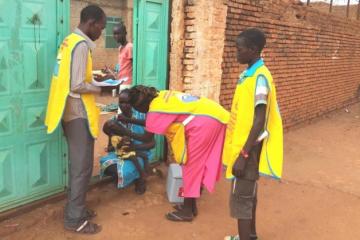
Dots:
{"x": 205, "y": 138}
{"x": 125, "y": 63}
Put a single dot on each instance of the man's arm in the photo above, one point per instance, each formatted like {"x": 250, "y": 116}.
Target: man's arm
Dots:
{"x": 78, "y": 71}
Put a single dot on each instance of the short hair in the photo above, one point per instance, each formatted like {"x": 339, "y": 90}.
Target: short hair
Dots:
{"x": 125, "y": 91}
{"x": 148, "y": 93}
{"x": 91, "y": 12}
{"x": 121, "y": 26}
{"x": 253, "y": 37}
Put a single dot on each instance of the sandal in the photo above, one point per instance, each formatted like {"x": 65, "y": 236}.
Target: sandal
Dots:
{"x": 90, "y": 214}
{"x": 236, "y": 237}
{"x": 86, "y": 227}
{"x": 232, "y": 237}
{"x": 181, "y": 208}
{"x": 178, "y": 216}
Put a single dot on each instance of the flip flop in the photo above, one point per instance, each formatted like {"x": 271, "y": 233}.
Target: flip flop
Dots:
{"x": 236, "y": 237}
{"x": 90, "y": 214}
{"x": 86, "y": 227}
{"x": 232, "y": 237}
{"x": 178, "y": 217}
{"x": 181, "y": 208}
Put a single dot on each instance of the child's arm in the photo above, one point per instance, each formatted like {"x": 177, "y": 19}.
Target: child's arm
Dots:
{"x": 117, "y": 129}
{"x": 124, "y": 119}
{"x": 258, "y": 125}
{"x": 145, "y": 146}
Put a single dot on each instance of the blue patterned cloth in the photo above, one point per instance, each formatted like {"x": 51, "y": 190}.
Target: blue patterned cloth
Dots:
{"x": 127, "y": 172}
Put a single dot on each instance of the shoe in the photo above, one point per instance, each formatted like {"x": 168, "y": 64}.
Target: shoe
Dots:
{"x": 236, "y": 237}
{"x": 232, "y": 237}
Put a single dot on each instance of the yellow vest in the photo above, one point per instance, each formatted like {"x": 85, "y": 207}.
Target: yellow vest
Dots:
{"x": 60, "y": 88}
{"x": 174, "y": 102}
{"x": 241, "y": 122}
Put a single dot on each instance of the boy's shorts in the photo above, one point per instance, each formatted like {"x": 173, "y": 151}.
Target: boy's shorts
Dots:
{"x": 242, "y": 198}
{"x": 243, "y": 193}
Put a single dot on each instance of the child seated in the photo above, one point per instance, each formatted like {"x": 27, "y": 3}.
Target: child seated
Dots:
{"x": 126, "y": 151}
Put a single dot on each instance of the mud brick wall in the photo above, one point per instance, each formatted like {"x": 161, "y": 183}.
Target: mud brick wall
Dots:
{"x": 196, "y": 47}
{"x": 176, "y": 50}
{"x": 112, "y": 8}
{"x": 314, "y": 57}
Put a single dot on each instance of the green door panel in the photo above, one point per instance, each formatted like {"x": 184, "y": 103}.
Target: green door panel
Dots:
{"x": 151, "y": 49}
{"x": 31, "y": 162}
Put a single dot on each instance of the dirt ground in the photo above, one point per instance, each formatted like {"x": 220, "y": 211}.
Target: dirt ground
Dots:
{"x": 318, "y": 198}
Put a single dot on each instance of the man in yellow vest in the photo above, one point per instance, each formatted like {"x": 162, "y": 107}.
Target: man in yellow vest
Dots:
{"x": 72, "y": 102}
{"x": 254, "y": 137}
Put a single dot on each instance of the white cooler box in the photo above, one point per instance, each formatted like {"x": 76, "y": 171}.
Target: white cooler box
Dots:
{"x": 174, "y": 184}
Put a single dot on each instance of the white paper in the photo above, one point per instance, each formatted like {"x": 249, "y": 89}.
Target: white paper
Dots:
{"x": 107, "y": 83}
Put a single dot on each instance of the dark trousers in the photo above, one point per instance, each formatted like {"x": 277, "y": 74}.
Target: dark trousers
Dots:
{"x": 81, "y": 156}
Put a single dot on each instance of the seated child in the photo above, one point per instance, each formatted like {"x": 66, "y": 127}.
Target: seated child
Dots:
{"x": 125, "y": 150}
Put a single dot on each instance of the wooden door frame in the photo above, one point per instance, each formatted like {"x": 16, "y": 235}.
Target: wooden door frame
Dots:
{"x": 135, "y": 54}
{"x": 63, "y": 29}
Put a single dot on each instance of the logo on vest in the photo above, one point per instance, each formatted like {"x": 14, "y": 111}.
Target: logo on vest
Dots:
{"x": 186, "y": 98}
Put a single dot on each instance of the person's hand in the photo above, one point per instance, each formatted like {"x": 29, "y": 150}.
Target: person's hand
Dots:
{"x": 105, "y": 69}
{"x": 122, "y": 118}
{"x": 121, "y": 130}
{"x": 238, "y": 169}
{"x": 101, "y": 78}
{"x": 108, "y": 89}
{"x": 126, "y": 148}
{"x": 131, "y": 147}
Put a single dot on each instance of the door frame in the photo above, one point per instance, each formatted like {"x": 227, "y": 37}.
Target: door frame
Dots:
{"x": 63, "y": 29}
{"x": 136, "y": 9}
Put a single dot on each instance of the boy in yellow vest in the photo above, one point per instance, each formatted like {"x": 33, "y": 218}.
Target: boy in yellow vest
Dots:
{"x": 72, "y": 102}
{"x": 254, "y": 140}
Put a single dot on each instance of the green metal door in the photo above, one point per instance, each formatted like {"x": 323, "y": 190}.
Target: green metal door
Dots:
{"x": 151, "y": 48}
{"x": 31, "y": 162}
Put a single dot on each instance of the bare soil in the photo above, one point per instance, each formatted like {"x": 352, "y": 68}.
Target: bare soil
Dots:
{"x": 318, "y": 198}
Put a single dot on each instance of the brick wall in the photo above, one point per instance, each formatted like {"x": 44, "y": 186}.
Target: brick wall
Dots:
{"x": 176, "y": 55}
{"x": 197, "y": 42}
{"x": 114, "y": 8}
{"x": 314, "y": 57}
